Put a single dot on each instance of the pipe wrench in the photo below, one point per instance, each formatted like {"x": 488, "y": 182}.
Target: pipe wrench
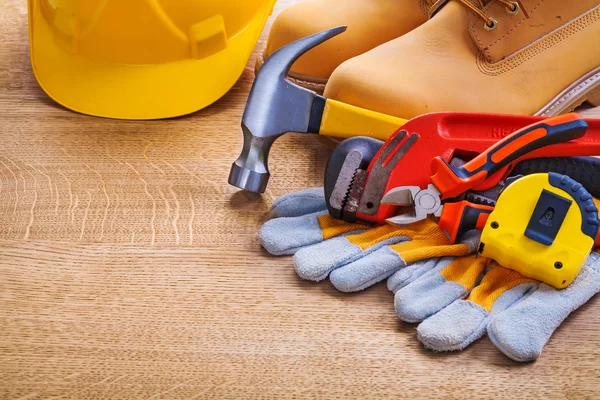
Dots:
{"x": 362, "y": 170}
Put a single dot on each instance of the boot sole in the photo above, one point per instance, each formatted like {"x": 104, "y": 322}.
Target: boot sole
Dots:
{"x": 586, "y": 89}
{"x": 308, "y": 82}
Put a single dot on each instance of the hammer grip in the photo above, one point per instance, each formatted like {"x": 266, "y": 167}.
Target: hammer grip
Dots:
{"x": 463, "y": 216}
{"x": 585, "y": 170}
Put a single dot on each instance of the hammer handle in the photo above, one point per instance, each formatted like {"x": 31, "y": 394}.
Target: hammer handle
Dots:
{"x": 344, "y": 121}
{"x": 463, "y": 216}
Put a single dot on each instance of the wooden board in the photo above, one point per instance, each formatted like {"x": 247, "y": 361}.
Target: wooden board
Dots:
{"x": 130, "y": 269}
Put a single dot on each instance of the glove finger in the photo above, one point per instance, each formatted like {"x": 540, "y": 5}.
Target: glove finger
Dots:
{"x": 372, "y": 268}
{"x": 300, "y": 203}
{"x": 383, "y": 262}
{"x": 522, "y": 331}
{"x": 453, "y": 279}
{"x": 412, "y": 272}
{"x": 316, "y": 262}
{"x": 366, "y": 271}
{"x": 416, "y": 270}
{"x": 465, "y": 321}
{"x": 281, "y": 236}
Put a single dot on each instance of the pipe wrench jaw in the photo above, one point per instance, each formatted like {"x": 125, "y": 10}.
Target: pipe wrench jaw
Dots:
{"x": 358, "y": 174}
{"x": 345, "y": 176}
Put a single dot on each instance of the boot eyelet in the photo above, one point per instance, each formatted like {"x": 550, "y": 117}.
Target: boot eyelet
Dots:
{"x": 516, "y": 10}
{"x": 491, "y": 27}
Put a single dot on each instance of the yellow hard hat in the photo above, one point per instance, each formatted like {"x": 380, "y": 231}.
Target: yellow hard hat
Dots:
{"x": 142, "y": 59}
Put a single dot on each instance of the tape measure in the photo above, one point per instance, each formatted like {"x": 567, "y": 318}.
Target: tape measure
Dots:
{"x": 543, "y": 226}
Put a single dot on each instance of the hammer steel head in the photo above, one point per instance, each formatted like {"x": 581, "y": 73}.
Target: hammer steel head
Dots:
{"x": 276, "y": 106}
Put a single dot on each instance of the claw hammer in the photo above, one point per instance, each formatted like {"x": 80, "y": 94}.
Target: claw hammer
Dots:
{"x": 277, "y": 106}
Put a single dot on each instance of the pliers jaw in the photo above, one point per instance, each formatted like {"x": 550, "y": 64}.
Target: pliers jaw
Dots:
{"x": 421, "y": 203}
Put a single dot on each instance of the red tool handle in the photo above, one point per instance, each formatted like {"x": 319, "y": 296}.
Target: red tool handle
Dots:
{"x": 459, "y": 218}
{"x": 453, "y": 181}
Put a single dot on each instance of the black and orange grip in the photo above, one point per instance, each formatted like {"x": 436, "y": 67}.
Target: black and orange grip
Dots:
{"x": 453, "y": 181}
{"x": 585, "y": 170}
{"x": 463, "y": 216}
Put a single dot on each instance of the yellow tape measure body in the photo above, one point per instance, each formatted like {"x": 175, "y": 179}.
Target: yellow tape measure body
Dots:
{"x": 543, "y": 226}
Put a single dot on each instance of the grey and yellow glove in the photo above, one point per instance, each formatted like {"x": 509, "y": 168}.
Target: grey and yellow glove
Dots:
{"x": 458, "y": 302}
{"x": 353, "y": 256}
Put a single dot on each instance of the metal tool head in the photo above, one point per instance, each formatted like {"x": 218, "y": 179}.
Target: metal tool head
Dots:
{"x": 276, "y": 106}
{"x": 422, "y": 203}
{"x": 401, "y": 196}
{"x": 392, "y": 153}
{"x": 346, "y": 173}
{"x": 358, "y": 172}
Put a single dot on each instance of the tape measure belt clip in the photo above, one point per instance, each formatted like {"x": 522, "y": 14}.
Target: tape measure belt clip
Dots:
{"x": 547, "y": 218}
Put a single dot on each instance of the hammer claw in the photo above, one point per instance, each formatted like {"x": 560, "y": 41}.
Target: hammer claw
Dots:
{"x": 276, "y": 106}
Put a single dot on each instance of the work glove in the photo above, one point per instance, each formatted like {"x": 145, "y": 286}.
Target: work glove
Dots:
{"x": 353, "y": 256}
{"x": 457, "y": 297}
{"x": 459, "y": 301}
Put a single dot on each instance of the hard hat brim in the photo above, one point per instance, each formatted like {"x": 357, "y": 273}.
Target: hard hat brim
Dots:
{"x": 123, "y": 91}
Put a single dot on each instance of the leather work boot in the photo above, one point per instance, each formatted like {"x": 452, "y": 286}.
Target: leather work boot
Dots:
{"x": 531, "y": 57}
{"x": 370, "y": 23}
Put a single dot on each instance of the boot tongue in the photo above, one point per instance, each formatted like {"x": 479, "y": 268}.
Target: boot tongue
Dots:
{"x": 478, "y": 3}
{"x": 437, "y": 5}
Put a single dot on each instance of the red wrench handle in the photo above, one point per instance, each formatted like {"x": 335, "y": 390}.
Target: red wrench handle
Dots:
{"x": 459, "y": 218}
{"x": 453, "y": 181}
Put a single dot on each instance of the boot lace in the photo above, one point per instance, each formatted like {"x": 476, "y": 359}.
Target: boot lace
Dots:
{"x": 512, "y": 7}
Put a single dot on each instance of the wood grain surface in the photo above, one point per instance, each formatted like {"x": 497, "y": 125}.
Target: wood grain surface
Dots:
{"x": 129, "y": 268}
